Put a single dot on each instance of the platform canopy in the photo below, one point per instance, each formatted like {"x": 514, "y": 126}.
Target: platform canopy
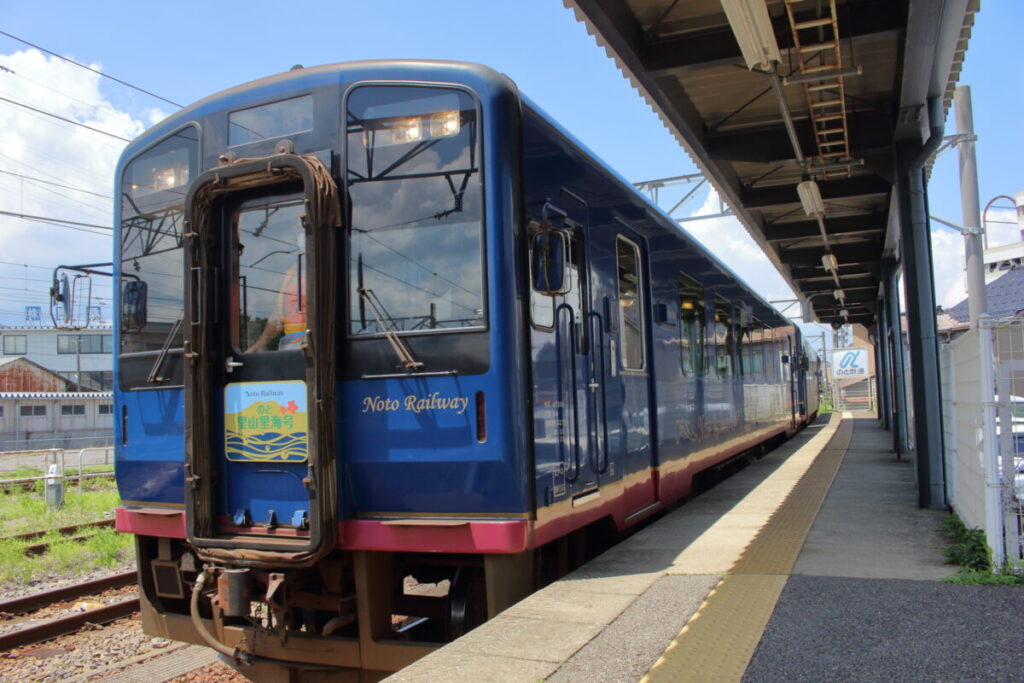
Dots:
{"x": 801, "y": 129}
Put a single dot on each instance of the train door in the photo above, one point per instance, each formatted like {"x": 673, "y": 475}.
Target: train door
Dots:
{"x": 791, "y": 375}
{"x": 259, "y": 444}
{"x": 632, "y": 367}
{"x": 579, "y": 389}
{"x": 693, "y": 344}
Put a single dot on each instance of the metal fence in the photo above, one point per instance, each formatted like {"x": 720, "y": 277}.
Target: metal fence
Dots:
{"x": 68, "y": 460}
{"x": 860, "y": 395}
{"x": 983, "y": 411}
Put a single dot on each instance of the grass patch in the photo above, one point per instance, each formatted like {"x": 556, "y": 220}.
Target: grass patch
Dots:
{"x": 23, "y": 511}
{"x": 968, "y": 548}
{"x": 104, "y": 549}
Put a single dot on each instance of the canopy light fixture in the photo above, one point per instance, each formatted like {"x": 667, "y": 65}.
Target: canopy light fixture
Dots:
{"x": 822, "y": 75}
{"x": 810, "y": 198}
{"x": 752, "y": 26}
{"x": 829, "y": 262}
{"x": 839, "y": 295}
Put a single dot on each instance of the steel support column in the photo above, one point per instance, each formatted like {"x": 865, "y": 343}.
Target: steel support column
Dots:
{"x": 916, "y": 252}
{"x": 891, "y": 284}
{"x": 882, "y": 367}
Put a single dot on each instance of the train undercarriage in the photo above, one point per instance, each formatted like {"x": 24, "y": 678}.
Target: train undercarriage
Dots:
{"x": 354, "y": 615}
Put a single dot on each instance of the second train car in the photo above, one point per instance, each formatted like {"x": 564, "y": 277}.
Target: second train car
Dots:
{"x": 390, "y": 344}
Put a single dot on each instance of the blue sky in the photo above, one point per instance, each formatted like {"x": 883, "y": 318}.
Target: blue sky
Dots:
{"x": 188, "y": 50}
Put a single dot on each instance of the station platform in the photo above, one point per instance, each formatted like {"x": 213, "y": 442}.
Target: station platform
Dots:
{"x": 813, "y": 563}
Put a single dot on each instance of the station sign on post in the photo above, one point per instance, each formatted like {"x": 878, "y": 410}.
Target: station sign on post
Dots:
{"x": 850, "y": 363}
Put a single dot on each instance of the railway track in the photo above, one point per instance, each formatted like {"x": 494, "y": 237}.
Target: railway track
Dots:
{"x": 68, "y": 623}
{"x": 29, "y": 483}
{"x": 68, "y": 533}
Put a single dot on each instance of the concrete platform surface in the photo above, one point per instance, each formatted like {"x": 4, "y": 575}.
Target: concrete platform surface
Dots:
{"x": 852, "y": 606}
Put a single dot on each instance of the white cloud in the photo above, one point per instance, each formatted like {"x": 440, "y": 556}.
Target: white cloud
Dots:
{"x": 1002, "y": 227}
{"x": 35, "y": 145}
{"x": 948, "y": 254}
{"x": 154, "y": 116}
{"x": 948, "y": 265}
{"x": 729, "y": 241}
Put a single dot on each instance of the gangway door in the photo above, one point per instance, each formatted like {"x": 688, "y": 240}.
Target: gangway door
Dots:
{"x": 259, "y": 344}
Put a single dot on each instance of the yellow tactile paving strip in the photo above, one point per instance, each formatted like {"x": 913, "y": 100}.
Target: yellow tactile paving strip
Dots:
{"x": 719, "y": 640}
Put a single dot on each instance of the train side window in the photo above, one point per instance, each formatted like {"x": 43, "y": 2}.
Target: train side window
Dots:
{"x": 724, "y": 339}
{"x": 743, "y": 350}
{"x": 575, "y": 296}
{"x": 631, "y": 304}
{"x": 542, "y": 306}
{"x": 755, "y": 352}
{"x": 691, "y": 325}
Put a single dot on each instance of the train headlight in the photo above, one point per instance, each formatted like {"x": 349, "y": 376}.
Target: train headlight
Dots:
{"x": 444, "y": 124}
{"x": 406, "y": 130}
{"x": 163, "y": 179}
{"x": 173, "y": 176}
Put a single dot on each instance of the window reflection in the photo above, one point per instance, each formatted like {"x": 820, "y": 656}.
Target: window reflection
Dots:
{"x": 153, "y": 191}
{"x": 723, "y": 337}
{"x": 270, "y": 278}
{"x": 691, "y": 323}
{"x": 630, "y": 304}
{"x": 415, "y": 192}
{"x": 270, "y": 120}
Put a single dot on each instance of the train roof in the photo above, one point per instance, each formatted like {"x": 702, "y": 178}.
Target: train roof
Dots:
{"x": 656, "y": 212}
{"x": 479, "y": 77}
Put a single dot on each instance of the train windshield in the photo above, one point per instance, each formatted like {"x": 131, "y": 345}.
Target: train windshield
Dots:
{"x": 153, "y": 191}
{"x": 416, "y": 227}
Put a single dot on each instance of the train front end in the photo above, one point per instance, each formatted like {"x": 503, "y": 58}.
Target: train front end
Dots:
{"x": 320, "y": 433}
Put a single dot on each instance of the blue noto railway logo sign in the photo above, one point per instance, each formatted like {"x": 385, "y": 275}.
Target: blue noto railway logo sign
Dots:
{"x": 850, "y": 363}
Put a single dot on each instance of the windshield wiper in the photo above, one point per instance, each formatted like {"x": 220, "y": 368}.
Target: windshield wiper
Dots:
{"x": 399, "y": 347}
{"x": 153, "y": 377}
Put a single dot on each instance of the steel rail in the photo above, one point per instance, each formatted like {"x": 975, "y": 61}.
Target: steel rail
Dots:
{"x": 30, "y": 602}
{"x": 69, "y": 624}
{"x": 64, "y": 531}
{"x": 28, "y": 483}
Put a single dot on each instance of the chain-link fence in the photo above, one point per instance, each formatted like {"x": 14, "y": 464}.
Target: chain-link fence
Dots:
{"x": 983, "y": 407}
{"x": 1008, "y": 341}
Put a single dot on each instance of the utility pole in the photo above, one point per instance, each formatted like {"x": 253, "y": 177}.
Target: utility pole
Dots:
{"x": 973, "y": 232}
{"x": 78, "y": 361}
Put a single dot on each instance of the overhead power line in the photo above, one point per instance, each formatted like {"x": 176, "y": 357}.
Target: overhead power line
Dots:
{"x": 89, "y": 68}
{"x": 50, "y": 182}
{"x": 62, "y": 118}
{"x": 56, "y": 221}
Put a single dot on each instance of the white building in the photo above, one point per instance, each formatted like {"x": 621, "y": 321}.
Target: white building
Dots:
{"x": 84, "y": 357}
{"x": 42, "y": 419}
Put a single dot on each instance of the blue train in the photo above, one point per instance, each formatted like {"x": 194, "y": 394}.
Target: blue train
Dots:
{"x": 394, "y": 349}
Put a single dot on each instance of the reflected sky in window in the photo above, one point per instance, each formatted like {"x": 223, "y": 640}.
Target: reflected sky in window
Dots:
{"x": 416, "y": 219}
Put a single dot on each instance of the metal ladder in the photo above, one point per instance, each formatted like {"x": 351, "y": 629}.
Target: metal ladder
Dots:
{"x": 816, "y": 45}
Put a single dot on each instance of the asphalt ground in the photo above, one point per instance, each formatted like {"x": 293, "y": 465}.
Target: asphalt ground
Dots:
{"x": 828, "y": 628}
{"x": 865, "y": 600}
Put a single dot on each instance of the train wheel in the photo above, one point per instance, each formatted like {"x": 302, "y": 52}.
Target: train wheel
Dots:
{"x": 467, "y": 602}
